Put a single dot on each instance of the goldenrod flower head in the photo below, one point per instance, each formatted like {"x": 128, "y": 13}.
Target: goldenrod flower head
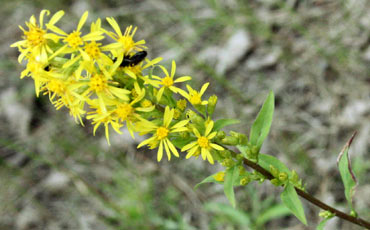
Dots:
{"x": 98, "y": 83}
{"x": 161, "y": 133}
{"x": 124, "y": 111}
{"x": 219, "y": 176}
{"x": 106, "y": 119}
{"x": 181, "y": 104}
{"x": 177, "y": 114}
{"x": 167, "y": 82}
{"x": 93, "y": 49}
{"x": 203, "y": 143}
{"x": 146, "y": 103}
{"x": 55, "y": 87}
{"x": 195, "y": 97}
{"x": 125, "y": 40}
{"x": 81, "y": 73}
{"x": 74, "y": 40}
{"x": 35, "y": 38}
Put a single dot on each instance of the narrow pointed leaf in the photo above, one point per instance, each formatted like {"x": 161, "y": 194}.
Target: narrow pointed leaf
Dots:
{"x": 345, "y": 169}
{"x": 273, "y": 212}
{"x": 262, "y": 124}
{"x": 210, "y": 179}
{"x": 290, "y": 199}
{"x": 219, "y": 124}
{"x": 230, "y": 176}
{"x": 322, "y": 223}
{"x": 265, "y": 161}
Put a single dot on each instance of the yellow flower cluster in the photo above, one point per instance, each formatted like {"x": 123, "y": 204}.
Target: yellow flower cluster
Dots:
{"x": 113, "y": 84}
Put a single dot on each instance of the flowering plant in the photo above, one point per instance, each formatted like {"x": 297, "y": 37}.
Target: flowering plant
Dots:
{"x": 114, "y": 84}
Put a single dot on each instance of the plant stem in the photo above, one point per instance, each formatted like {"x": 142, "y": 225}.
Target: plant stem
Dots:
{"x": 312, "y": 199}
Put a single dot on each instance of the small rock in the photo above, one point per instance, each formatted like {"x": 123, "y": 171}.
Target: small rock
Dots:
{"x": 366, "y": 54}
{"x": 263, "y": 59}
{"x": 28, "y": 218}
{"x": 237, "y": 46}
{"x": 56, "y": 181}
{"x": 354, "y": 111}
{"x": 209, "y": 55}
{"x": 16, "y": 113}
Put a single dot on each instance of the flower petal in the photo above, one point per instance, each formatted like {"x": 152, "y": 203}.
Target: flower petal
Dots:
{"x": 145, "y": 142}
{"x": 173, "y": 68}
{"x": 182, "y": 79}
{"x": 82, "y": 20}
{"x": 210, "y": 158}
{"x": 203, "y": 89}
{"x": 180, "y": 124}
{"x": 164, "y": 70}
{"x": 218, "y": 147}
{"x": 168, "y": 116}
{"x": 188, "y": 146}
{"x": 209, "y": 128}
{"x": 173, "y": 148}
{"x": 160, "y": 152}
{"x": 167, "y": 149}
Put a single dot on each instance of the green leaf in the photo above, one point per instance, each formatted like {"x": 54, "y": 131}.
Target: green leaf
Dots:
{"x": 231, "y": 175}
{"x": 219, "y": 124}
{"x": 273, "y": 212}
{"x": 209, "y": 179}
{"x": 180, "y": 142}
{"x": 234, "y": 215}
{"x": 265, "y": 161}
{"x": 322, "y": 223}
{"x": 262, "y": 124}
{"x": 345, "y": 169}
{"x": 290, "y": 199}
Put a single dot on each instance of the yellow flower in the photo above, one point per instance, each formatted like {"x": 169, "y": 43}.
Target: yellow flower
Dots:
{"x": 195, "y": 97}
{"x": 73, "y": 103}
{"x": 136, "y": 70}
{"x": 103, "y": 117}
{"x": 101, "y": 86}
{"x": 127, "y": 112}
{"x": 35, "y": 70}
{"x": 219, "y": 176}
{"x": 161, "y": 133}
{"x": 168, "y": 82}
{"x": 93, "y": 52}
{"x": 36, "y": 38}
{"x": 203, "y": 143}
{"x": 125, "y": 40}
{"x": 74, "y": 41}
{"x": 63, "y": 92}
{"x": 181, "y": 104}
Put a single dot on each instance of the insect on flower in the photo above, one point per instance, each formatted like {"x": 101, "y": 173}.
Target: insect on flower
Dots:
{"x": 134, "y": 59}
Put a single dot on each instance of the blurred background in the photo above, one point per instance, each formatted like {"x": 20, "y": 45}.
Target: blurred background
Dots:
{"x": 315, "y": 56}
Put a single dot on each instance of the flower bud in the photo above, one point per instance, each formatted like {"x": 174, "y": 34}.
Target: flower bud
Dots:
{"x": 220, "y": 135}
{"x": 228, "y": 163}
{"x": 177, "y": 114}
{"x": 241, "y": 170}
{"x": 274, "y": 171}
{"x": 229, "y": 140}
{"x": 219, "y": 176}
{"x": 194, "y": 118}
{"x": 245, "y": 180}
{"x": 283, "y": 176}
{"x": 225, "y": 153}
{"x": 212, "y": 101}
{"x": 181, "y": 104}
